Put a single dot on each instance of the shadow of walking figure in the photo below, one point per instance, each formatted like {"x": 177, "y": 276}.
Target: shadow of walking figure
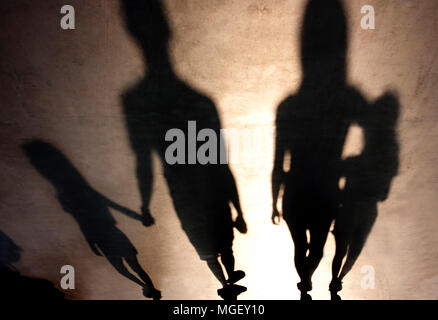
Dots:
{"x": 368, "y": 178}
{"x": 311, "y": 128}
{"x": 161, "y": 102}
{"x": 16, "y": 286}
{"x": 90, "y": 209}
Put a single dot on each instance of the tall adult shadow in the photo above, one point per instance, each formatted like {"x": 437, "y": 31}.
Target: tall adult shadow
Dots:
{"x": 15, "y": 286}
{"x": 159, "y": 105}
{"x": 311, "y": 128}
{"x": 90, "y": 209}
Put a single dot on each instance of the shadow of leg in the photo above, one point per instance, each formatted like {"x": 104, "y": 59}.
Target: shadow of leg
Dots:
{"x": 149, "y": 289}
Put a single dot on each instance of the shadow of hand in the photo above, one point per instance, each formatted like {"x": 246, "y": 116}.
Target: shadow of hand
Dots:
{"x": 240, "y": 225}
{"x": 146, "y": 218}
{"x": 276, "y": 217}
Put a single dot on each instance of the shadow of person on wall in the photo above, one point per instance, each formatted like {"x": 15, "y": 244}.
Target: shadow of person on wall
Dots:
{"x": 90, "y": 209}
{"x": 15, "y": 286}
{"x": 368, "y": 179}
{"x": 159, "y": 108}
{"x": 311, "y": 128}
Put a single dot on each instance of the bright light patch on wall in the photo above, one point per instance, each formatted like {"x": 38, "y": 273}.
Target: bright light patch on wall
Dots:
{"x": 354, "y": 142}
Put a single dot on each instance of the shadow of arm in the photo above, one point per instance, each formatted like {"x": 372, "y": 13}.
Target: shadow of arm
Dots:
{"x": 127, "y": 212}
{"x": 277, "y": 172}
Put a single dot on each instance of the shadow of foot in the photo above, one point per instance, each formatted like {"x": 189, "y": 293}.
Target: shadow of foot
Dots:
{"x": 236, "y": 276}
{"x": 335, "y": 297}
{"x": 230, "y": 292}
{"x": 152, "y": 293}
{"x": 305, "y": 296}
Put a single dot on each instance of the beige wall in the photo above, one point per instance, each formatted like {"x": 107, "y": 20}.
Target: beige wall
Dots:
{"x": 64, "y": 86}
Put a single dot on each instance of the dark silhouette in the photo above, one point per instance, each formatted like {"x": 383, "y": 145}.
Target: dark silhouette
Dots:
{"x": 368, "y": 178}
{"x": 91, "y": 211}
{"x": 15, "y": 286}
{"x": 158, "y": 103}
{"x": 311, "y": 128}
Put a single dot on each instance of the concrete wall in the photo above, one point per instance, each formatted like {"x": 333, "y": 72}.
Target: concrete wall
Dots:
{"x": 64, "y": 87}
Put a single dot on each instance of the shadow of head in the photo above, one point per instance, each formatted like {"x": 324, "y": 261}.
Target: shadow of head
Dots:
{"x": 324, "y": 39}
{"x": 146, "y": 22}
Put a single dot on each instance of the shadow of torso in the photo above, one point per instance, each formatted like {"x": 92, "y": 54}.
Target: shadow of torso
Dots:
{"x": 200, "y": 193}
{"x": 313, "y": 125}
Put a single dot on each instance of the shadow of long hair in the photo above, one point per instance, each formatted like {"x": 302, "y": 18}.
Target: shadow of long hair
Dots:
{"x": 311, "y": 127}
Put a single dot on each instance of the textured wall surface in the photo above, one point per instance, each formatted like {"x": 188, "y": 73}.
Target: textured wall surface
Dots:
{"x": 64, "y": 86}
